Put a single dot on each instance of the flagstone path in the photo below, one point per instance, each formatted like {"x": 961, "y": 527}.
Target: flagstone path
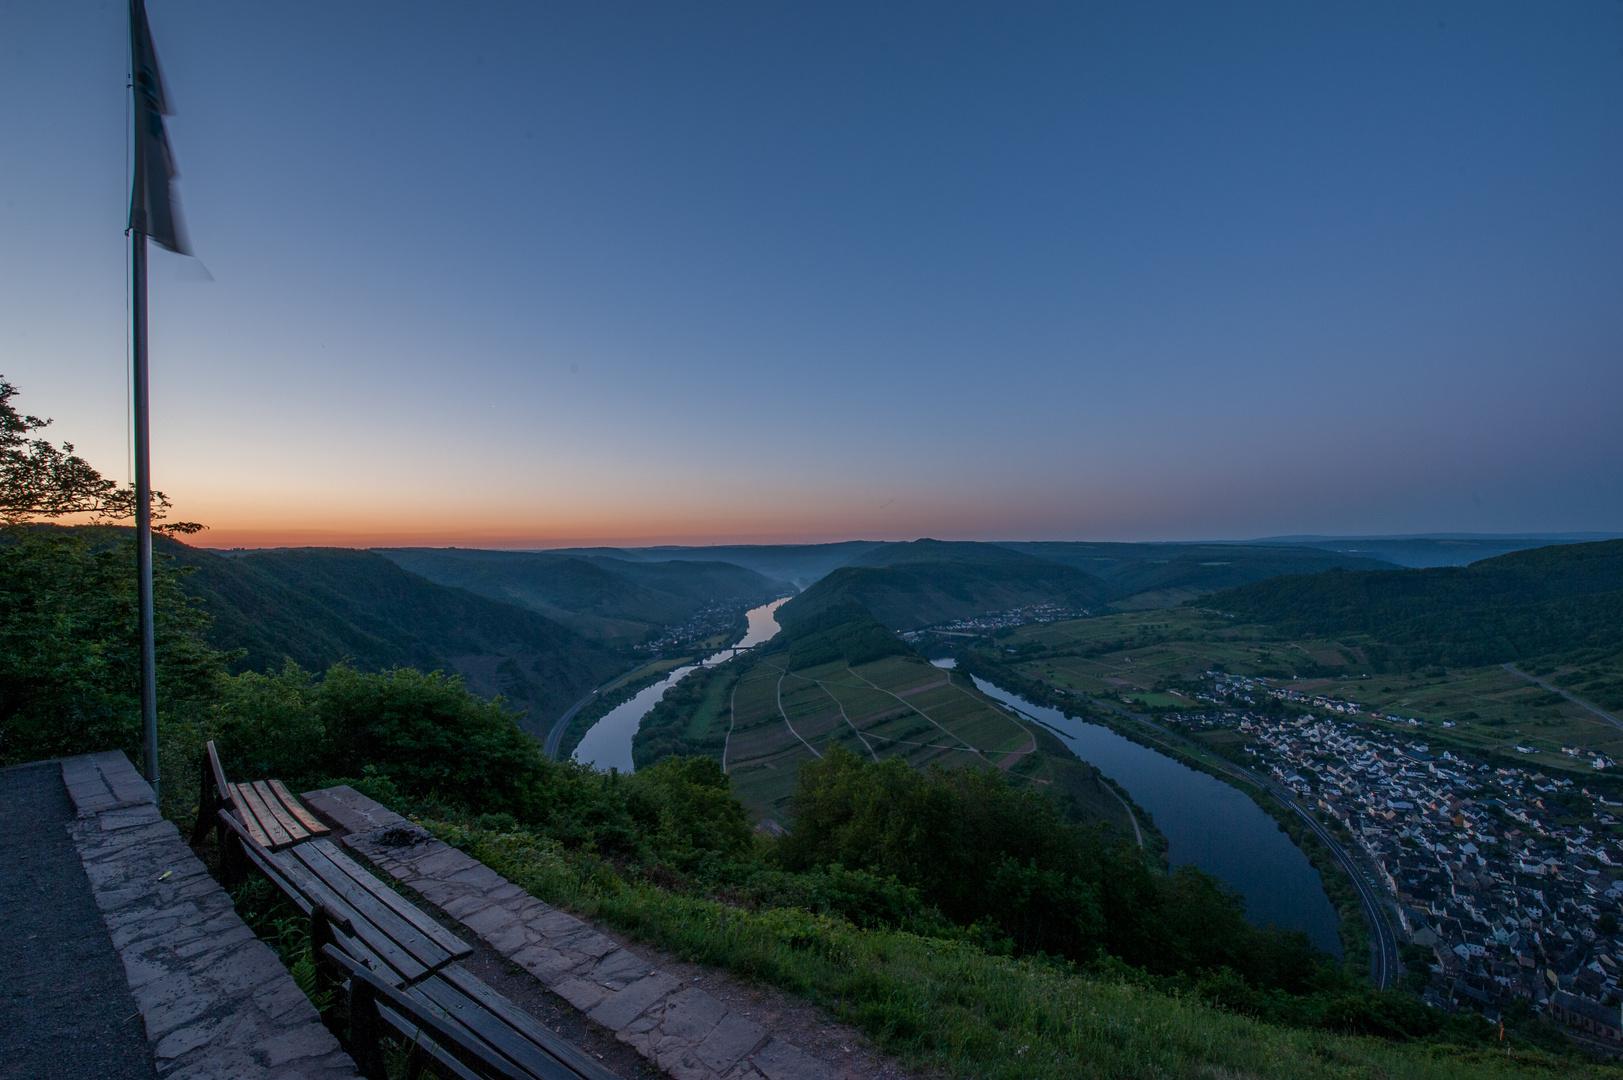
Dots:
{"x": 687, "y": 1032}
{"x": 215, "y": 1001}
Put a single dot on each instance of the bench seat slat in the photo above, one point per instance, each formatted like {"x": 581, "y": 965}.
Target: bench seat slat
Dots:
{"x": 289, "y": 824}
{"x": 488, "y": 1027}
{"x": 426, "y": 951}
{"x": 273, "y": 869}
{"x": 247, "y": 818}
{"x": 249, "y": 802}
{"x": 311, "y": 823}
{"x": 408, "y": 967}
{"x": 528, "y": 1026}
{"x": 445, "y": 939}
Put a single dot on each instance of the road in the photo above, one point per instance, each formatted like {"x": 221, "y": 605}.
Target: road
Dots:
{"x": 556, "y": 734}
{"x": 1606, "y": 716}
{"x": 1385, "y": 966}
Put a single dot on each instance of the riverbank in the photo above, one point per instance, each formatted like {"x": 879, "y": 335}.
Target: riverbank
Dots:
{"x": 1352, "y": 928}
{"x": 605, "y": 729}
{"x": 607, "y": 698}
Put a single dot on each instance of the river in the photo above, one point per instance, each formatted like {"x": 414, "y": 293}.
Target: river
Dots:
{"x": 1206, "y": 822}
{"x": 607, "y": 744}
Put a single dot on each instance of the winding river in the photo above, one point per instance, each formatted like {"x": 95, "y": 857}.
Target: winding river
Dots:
{"x": 1206, "y": 822}
{"x": 607, "y": 744}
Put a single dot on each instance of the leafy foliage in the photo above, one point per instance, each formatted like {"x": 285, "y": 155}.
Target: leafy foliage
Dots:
{"x": 987, "y": 853}
{"x": 70, "y": 645}
{"x": 39, "y": 480}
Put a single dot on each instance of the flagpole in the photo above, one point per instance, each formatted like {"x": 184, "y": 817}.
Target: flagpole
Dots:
{"x": 143, "y": 507}
{"x": 143, "y": 426}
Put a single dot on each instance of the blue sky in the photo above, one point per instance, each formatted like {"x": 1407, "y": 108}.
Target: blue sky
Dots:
{"x": 524, "y": 274}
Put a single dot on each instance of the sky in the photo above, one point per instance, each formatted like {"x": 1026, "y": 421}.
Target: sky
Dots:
{"x": 535, "y": 274}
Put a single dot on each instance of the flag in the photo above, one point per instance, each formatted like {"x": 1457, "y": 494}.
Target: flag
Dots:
{"x": 154, "y": 209}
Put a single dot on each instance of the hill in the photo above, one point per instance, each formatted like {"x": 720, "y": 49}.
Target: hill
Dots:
{"x": 1439, "y": 549}
{"x": 617, "y": 600}
{"x": 927, "y": 582}
{"x": 800, "y": 564}
{"x": 1163, "y": 575}
{"x": 317, "y": 606}
{"x": 1524, "y": 604}
{"x": 1146, "y": 575}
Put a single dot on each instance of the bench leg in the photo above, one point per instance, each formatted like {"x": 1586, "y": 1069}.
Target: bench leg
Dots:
{"x": 232, "y": 870}
{"x": 321, "y": 934}
{"x": 365, "y": 1027}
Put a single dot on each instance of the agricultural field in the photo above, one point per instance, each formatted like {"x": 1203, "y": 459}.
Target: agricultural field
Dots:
{"x": 898, "y": 706}
{"x": 1153, "y": 660}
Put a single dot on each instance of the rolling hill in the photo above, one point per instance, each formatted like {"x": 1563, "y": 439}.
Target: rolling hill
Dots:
{"x": 317, "y": 606}
{"x": 616, "y": 600}
{"x": 1441, "y": 549}
{"x": 1164, "y": 575}
{"x": 800, "y": 564}
{"x": 909, "y": 586}
{"x": 1524, "y": 604}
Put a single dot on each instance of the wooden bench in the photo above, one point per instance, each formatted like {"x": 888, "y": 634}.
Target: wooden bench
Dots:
{"x": 272, "y": 814}
{"x": 400, "y": 965}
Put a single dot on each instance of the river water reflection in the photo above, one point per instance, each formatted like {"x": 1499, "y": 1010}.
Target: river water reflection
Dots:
{"x": 1206, "y": 822}
{"x": 607, "y": 744}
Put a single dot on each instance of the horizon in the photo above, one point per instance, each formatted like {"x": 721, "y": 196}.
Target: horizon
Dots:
{"x": 1554, "y": 538}
{"x": 733, "y": 274}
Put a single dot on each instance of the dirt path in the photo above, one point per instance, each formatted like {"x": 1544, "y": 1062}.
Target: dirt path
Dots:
{"x": 781, "y": 676}
{"x": 841, "y": 705}
{"x": 1606, "y": 716}
{"x": 921, "y": 712}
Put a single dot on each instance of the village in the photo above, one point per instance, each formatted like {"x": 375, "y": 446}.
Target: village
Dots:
{"x": 1000, "y": 620}
{"x": 714, "y": 619}
{"x": 1510, "y": 877}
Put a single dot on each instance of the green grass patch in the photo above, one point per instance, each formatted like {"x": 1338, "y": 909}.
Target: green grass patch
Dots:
{"x": 951, "y": 1006}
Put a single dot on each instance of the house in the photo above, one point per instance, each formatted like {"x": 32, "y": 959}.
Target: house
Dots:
{"x": 1586, "y": 1015}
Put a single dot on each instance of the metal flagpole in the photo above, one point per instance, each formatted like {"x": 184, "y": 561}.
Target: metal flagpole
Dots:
{"x": 153, "y": 213}
{"x": 143, "y": 502}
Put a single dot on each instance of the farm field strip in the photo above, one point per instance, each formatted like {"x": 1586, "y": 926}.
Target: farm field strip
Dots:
{"x": 889, "y": 708}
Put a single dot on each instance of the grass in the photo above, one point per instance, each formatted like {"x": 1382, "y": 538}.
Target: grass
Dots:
{"x": 949, "y": 1006}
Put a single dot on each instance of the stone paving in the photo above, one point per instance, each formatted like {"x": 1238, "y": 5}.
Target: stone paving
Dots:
{"x": 686, "y": 1032}
{"x": 217, "y": 1003}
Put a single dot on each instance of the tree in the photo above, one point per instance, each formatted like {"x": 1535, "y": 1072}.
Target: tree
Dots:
{"x": 69, "y": 638}
{"x": 40, "y": 481}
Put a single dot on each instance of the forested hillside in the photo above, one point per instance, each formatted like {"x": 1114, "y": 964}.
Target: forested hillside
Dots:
{"x": 317, "y": 606}
{"x": 1165, "y": 574}
{"x": 908, "y": 586}
{"x": 619, "y": 601}
{"x": 799, "y": 564}
{"x": 1525, "y": 604}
